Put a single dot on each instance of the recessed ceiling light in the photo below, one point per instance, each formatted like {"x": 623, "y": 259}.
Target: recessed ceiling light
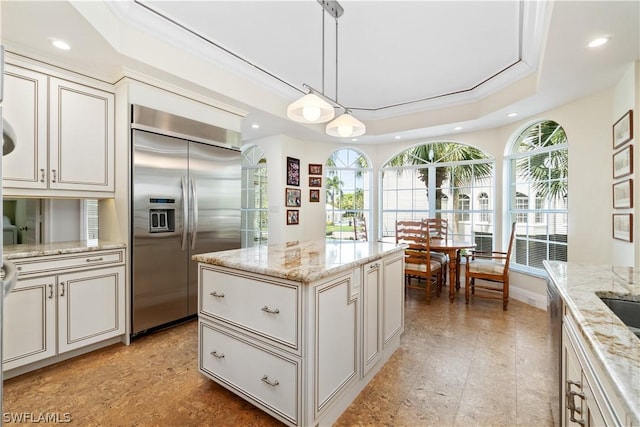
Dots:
{"x": 354, "y": 139}
{"x": 255, "y": 126}
{"x": 397, "y": 137}
{"x": 598, "y": 41}
{"x": 60, "y": 44}
{"x": 457, "y": 128}
{"x": 512, "y": 114}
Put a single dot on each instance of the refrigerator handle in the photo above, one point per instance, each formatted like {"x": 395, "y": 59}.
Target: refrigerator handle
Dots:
{"x": 194, "y": 206}
{"x": 185, "y": 213}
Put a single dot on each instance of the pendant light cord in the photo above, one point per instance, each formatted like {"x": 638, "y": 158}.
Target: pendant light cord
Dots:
{"x": 337, "y": 60}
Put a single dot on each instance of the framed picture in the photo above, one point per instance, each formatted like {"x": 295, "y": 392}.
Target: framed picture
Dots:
{"x": 315, "y": 169}
{"x": 623, "y": 194}
{"x": 623, "y": 162}
{"x": 292, "y": 197}
{"x": 293, "y": 216}
{"x": 293, "y": 171}
{"x": 315, "y": 181}
{"x": 623, "y": 129}
{"x": 623, "y": 227}
{"x": 314, "y": 196}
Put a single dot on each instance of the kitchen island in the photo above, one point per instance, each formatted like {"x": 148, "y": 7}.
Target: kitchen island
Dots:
{"x": 600, "y": 361}
{"x": 299, "y": 328}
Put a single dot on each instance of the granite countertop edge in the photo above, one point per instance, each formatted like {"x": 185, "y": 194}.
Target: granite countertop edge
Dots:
{"x": 298, "y": 273}
{"x": 580, "y": 286}
{"x": 15, "y": 252}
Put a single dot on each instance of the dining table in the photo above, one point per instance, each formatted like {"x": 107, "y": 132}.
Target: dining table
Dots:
{"x": 451, "y": 247}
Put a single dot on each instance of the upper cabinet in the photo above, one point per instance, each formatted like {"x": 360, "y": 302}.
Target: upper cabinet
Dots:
{"x": 64, "y": 137}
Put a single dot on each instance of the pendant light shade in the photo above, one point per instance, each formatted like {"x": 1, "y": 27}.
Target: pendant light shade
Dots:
{"x": 310, "y": 109}
{"x": 345, "y": 126}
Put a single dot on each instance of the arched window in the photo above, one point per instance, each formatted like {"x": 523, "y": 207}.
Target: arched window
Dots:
{"x": 254, "y": 206}
{"x": 348, "y": 193}
{"x": 538, "y": 171}
{"x": 439, "y": 180}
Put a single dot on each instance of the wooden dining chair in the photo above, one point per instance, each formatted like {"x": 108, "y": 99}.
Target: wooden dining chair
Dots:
{"x": 417, "y": 262}
{"x": 360, "y": 228}
{"x": 493, "y": 269}
{"x": 438, "y": 228}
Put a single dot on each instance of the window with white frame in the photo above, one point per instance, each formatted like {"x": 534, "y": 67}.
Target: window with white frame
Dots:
{"x": 538, "y": 171}
{"x": 348, "y": 193}
{"x": 254, "y": 206}
{"x": 439, "y": 180}
{"x": 483, "y": 203}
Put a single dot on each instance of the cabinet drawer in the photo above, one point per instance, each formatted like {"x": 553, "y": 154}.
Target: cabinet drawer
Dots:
{"x": 47, "y": 264}
{"x": 268, "y": 379}
{"x": 268, "y": 308}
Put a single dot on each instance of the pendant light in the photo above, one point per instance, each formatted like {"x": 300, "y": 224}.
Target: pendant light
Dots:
{"x": 311, "y": 108}
{"x": 345, "y": 125}
{"x": 315, "y": 106}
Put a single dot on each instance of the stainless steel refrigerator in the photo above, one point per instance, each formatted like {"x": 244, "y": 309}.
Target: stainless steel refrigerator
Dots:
{"x": 185, "y": 200}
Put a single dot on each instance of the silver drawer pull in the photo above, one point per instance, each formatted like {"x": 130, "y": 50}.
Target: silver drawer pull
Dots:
{"x": 268, "y": 310}
{"x": 94, "y": 259}
{"x": 216, "y": 294}
{"x": 265, "y": 379}
{"x": 42, "y": 175}
{"x": 214, "y": 353}
{"x": 55, "y": 175}
{"x": 62, "y": 287}
{"x": 50, "y": 290}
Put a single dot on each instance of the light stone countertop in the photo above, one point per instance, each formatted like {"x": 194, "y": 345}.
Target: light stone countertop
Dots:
{"x": 59, "y": 248}
{"x": 303, "y": 262}
{"x": 615, "y": 346}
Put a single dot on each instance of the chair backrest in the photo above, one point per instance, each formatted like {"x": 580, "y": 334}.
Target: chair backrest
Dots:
{"x": 360, "y": 228}
{"x": 414, "y": 235}
{"x": 438, "y": 227}
{"x": 510, "y": 247}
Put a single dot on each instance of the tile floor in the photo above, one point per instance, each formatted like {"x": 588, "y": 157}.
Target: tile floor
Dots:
{"x": 457, "y": 366}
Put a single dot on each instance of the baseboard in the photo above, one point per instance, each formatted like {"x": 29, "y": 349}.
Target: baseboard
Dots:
{"x": 528, "y": 297}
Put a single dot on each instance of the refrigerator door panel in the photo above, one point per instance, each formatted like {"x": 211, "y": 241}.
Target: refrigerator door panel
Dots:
{"x": 159, "y": 255}
{"x": 214, "y": 174}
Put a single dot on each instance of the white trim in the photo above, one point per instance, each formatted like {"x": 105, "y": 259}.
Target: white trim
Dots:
{"x": 528, "y": 297}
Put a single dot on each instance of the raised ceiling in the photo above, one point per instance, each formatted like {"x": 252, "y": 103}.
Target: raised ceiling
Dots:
{"x": 414, "y": 68}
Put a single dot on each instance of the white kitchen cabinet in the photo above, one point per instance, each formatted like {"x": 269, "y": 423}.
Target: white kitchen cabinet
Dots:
{"x": 300, "y": 351}
{"x": 29, "y": 323}
{"x": 393, "y": 297}
{"x": 63, "y": 303}
{"x": 585, "y": 398}
{"x": 372, "y": 297}
{"x": 25, "y": 109}
{"x": 65, "y": 137}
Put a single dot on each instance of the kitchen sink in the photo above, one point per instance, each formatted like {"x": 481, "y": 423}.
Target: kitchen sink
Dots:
{"x": 627, "y": 311}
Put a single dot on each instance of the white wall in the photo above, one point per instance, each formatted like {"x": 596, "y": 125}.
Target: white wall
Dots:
{"x": 624, "y": 99}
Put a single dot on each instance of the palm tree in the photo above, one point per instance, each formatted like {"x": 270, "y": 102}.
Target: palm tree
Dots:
{"x": 334, "y": 188}
{"x": 459, "y": 175}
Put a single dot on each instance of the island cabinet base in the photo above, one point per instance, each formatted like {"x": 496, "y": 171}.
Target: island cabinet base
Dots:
{"x": 300, "y": 351}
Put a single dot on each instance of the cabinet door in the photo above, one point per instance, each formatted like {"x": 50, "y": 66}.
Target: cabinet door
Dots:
{"x": 572, "y": 385}
{"x": 25, "y": 109}
{"x": 29, "y": 322}
{"x": 371, "y": 313}
{"x": 393, "y": 297}
{"x": 81, "y": 137}
{"x": 90, "y": 307}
